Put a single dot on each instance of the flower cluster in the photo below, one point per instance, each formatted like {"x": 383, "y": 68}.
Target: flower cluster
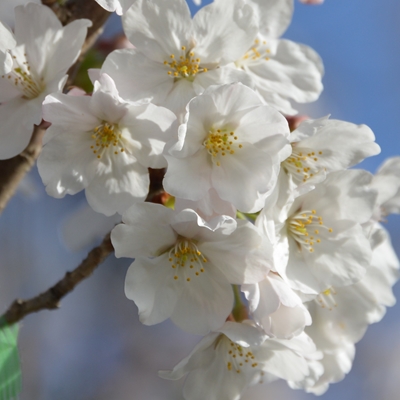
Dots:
{"x": 269, "y": 245}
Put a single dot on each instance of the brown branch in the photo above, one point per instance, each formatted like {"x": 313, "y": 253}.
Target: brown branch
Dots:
{"x": 49, "y": 300}
{"x": 14, "y": 169}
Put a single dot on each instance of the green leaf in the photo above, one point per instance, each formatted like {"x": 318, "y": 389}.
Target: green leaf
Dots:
{"x": 10, "y": 370}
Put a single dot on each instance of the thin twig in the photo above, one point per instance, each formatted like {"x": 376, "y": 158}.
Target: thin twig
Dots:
{"x": 50, "y": 299}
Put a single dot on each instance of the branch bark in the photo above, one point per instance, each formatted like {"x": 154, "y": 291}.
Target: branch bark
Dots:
{"x": 50, "y": 299}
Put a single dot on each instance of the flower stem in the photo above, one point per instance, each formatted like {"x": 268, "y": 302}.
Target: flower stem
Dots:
{"x": 239, "y": 311}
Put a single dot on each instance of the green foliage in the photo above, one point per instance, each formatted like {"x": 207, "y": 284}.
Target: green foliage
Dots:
{"x": 10, "y": 370}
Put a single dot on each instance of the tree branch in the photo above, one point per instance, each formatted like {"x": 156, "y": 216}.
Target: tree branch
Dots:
{"x": 49, "y": 300}
{"x": 14, "y": 169}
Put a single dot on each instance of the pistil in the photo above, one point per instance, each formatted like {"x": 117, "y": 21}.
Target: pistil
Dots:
{"x": 106, "y": 135}
{"x": 221, "y": 142}
{"x": 185, "y": 66}
{"x": 305, "y": 228}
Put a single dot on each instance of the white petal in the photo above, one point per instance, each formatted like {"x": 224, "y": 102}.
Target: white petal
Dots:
{"x": 243, "y": 333}
{"x": 119, "y": 6}
{"x": 244, "y": 178}
{"x": 275, "y": 16}
{"x": 66, "y": 163}
{"x": 205, "y": 302}
{"x": 17, "y": 118}
{"x": 117, "y": 185}
{"x": 152, "y": 126}
{"x": 342, "y": 261}
{"x": 7, "y": 41}
{"x": 69, "y": 113}
{"x": 294, "y": 71}
{"x": 345, "y": 144}
{"x": 146, "y": 231}
{"x": 8, "y": 91}
{"x": 46, "y": 38}
{"x": 188, "y": 179}
{"x": 105, "y": 102}
{"x": 224, "y": 31}
{"x": 240, "y": 256}
{"x": 158, "y": 29}
{"x": 202, "y": 354}
{"x": 221, "y": 384}
{"x": 150, "y": 284}
{"x": 137, "y": 77}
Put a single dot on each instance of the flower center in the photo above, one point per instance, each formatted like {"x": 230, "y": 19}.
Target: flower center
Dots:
{"x": 221, "y": 142}
{"x": 258, "y": 52}
{"x": 186, "y": 66}
{"x": 21, "y": 76}
{"x": 186, "y": 259}
{"x": 302, "y": 164}
{"x": 237, "y": 358}
{"x": 106, "y": 135}
{"x": 326, "y": 299}
{"x": 305, "y": 228}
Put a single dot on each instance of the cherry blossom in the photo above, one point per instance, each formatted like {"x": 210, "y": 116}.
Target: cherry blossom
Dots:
{"x": 280, "y": 70}
{"x": 320, "y": 241}
{"x": 237, "y": 356}
{"x": 104, "y": 145}
{"x": 177, "y": 57}
{"x": 192, "y": 266}
{"x": 324, "y": 145}
{"x": 44, "y": 51}
{"x": 230, "y": 142}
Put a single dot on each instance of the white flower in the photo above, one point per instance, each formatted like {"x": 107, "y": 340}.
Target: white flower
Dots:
{"x": 119, "y": 6}
{"x": 230, "y": 142}
{"x": 322, "y": 146}
{"x": 104, "y": 145}
{"x": 176, "y": 58}
{"x": 237, "y": 356}
{"x": 319, "y": 239}
{"x": 276, "y": 307}
{"x": 44, "y": 52}
{"x": 192, "y": 266}
{"x": 280, "y": 69}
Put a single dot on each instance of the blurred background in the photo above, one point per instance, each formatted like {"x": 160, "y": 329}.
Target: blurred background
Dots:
{"x": 94, "y": 347}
